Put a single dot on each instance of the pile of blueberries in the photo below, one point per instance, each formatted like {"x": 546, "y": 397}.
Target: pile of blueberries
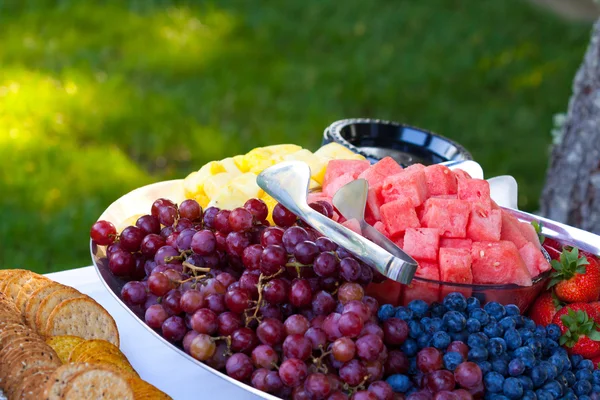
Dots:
{"x": 518, "y": 359}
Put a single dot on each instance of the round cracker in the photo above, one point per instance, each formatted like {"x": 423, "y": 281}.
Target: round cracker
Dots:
{"x": 49, "y": 304}
{"x": 57, "y": 384}
{"x": 29, "y": 287}
{"x": 64, "y": 345}
{"x": 144, "y": 390}
{"x": 98, "y": 383}
{"x": 92, "y": 346}
{"x": 6, "y": 275}
{"x": 34, "y": 301}
{"x": 16, "y": 282}
{"x": 111, "y": 360}
{"x": 31, "y": 384}
{"x": 82, "y": 317}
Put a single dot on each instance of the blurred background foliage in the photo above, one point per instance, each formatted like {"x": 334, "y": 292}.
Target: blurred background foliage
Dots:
{"x": 98, "y": 98}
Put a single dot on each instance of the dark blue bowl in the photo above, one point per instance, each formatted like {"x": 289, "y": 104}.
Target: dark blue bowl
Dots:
{"x": 408, "y": 145}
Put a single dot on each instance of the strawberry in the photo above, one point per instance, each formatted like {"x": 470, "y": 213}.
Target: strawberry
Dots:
{"x": 553, "y": 248}
{"x": 580, "y": 332}
{"x": 596, "y": 362}
{"x": 596, "y": 306}
{"x": 576, "y": 277}
{"x": 544, "y": 308}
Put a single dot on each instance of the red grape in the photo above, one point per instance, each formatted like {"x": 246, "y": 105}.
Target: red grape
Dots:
{"x": 368, "y": 347}
{"x": 317, "y": 337}
{"x": 296, "y": 324}
{"x": 272, "y": 259}
{"x": 326, "y": 265}
{"x": 240, "y": 219}
{"x": 353, "y": 372}
{"x": 258, "y": 379}
{"x": 359, "y": 308}
{"x": 204, "y": 321}
{"x": 216, "y": 303}
{"x": 237, "y": 242}
{"x": 323, "y": 303}
{"x": 121, "y": 263}
{"x": 174, "y": 329}
{"x": 155, "y": 316}
{"x": 187, "y": 340}
{"x": 350, "y": 269}
{"x": 300, "y": 294}
{"x": 228, "y": 322}
{"x": 270, "y": 331}
{"x": 148, "y": 224}
{"x": 305, "y": 252}
{"x": 202, "y": 347}
{"x": 282, "y": 216}
{"x": 366, "y": 275}
{"x": 171, "y": 240}
{"x": 272, "y": 236}
{"x": 459, "y": 347}
{"x": 251, "y": 257}
{"x": 468, "y": 374}
{"x": 331, "y": 326}
{"x": 134, "y": 293}
{"x": 437, "y": 381}
{"x": 382, "y": 390}
{"x": 396, "y": 363}
{"x": 213, "y": 286}
{"x": 237, "y": 300}
{"x": 318, "y": 385}
{"x": 103, "y": 233}
{"x": 150, "y": 244}
{"x": 395, "y": 331}
{"x": 209, "y": 217}
{"x": 338, "y": 396}
{"x": 463, "y": 394}
{"x": 350, "y": 291}
{"x": 165, "y": 252}
{"x": 219, "y": 359}
{"x": 204, "y": 242}
{"x": 131, "y": 238}
{"x": 226, "y": 279}
{"x": 275, "y": 291}
{"x": 429, "y": 359}
{"x": 445, "y": 395}
{"x": 257, "y": 208}
{"x": 182, "y": 224}
{"x": 249, "y": 282}
{"x": 292, "y": 236}
{"x": 239, "y": 366}
{"x": 363, "y": 395}
{"x": 292, "y": 372}
{"x": 263, "y": 356}
{"x": 159, "y": 284}
{"x": 221, "y": 221}
{"x": 273, "y": 382}
{"x": 297, "y": 346}
{"x": 350, "y": 324}
{"x": 172, "y": 302}
{"x": 243, "y": 340}
{"x": 167, "y": 215}
{"x": 343, "y": 349}
{"x": 190, "y": 209}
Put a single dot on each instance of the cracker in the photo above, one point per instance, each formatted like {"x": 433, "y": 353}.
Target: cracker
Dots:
{"x": 57, "y": 384}
{"x": 31, "y": 385}
{"x": 64, "y": 345}
{"x": 6, "y": 275}
{"x": 118, "y": 362}
{"x": 32, "y": 305}
{"x": 142, "y": 390}
{"x": 92, "y": 346}
{"x": 50, "y": 303}
{"x": 29, "y": 287}
{"x": 82, "y": 317}
{"x": 16, "y": 282}
{"x": 28, "y": 360}
{"x": 98, "y": 383}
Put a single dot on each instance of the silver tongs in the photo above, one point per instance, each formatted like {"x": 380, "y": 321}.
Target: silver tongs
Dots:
{"x": 287, "y": 182}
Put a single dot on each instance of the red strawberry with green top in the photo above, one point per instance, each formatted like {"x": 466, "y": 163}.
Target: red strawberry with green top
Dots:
{"x": 596, "y": 306}
{"x": 544, "y": 308}
{"x": 580, "y": 331}
{"x": 576, "y": 278}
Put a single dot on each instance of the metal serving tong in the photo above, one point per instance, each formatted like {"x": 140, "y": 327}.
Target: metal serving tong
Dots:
{"x": 287, "y": 182}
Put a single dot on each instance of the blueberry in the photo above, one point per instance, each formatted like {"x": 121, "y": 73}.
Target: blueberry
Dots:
{"x": 399, "y": 383}
{"x": 452, "y": 359}
{"x": 538, "y": 376}
{"x": 529, "y": 324}
{"x": 596, "y": 375}
{"x": 424, "y": 340}
{"x": 553, "y": 332}
{"x": 548, "y": 347}
{"x": 596, "y": 389}
{"x": 386, "y": 312}
{"x": 495, "y": 310}
{"x": 484, "y": 366}
{"x": 454, "y": 321}
{"x": 557, "y": 361}
{"x": 437, "y": 324}
{"x": 584, "y": 374}
{"x": 436, "y": 309}
{"x": 550, "y": 368}
{"x": 410, "y": 347}
{"x": 512, "y": 309}
{"x": 519, "y": 320}
{"x": 493, "y": 382}
{"x": 582, "y": 387}
{"x": 569, "y": 395}
{"x": 415, "y": 329}
{"x": 412, "y": 366}
{"x": 455, "y": 301}
{"x": 516, "y": 367}
{"x": 525, "y": 354}
{"x": 554, "y": 388}
{"x": 569, "y": 377}
{"x": 473, "y": 303}
{"x": 575, "y": 360}
{"x": 562, "y": 380}
{"x": 461, "y": 336}
{"x": 512, "y": 337}
{"x": 525, "y": 334}
{"x": 493, "y": 329}
{"x": 500, "y": 366}
{"x": 512, "y": 388}
{"x": 418, "y": 307}
{"x": 586, "y": 364}
{"x": 478, "y": 354}
{"x": 440, "y": 340}
{"x": 529, "y": 395}
{"x": 496, "y": 346}
{"x": 526, "y": 382}
{"x": 498, "y": 397}
{"x": 508, "y": 323}
{"x": 544, "y": 395}
{"x": 586, "y": 397}
{"x": 478, "y": 339}
{"x": 473, "y": 325}
{"x": 481, "y": 315}
{"x": 426, "y": 323}
{"x": 535, "y": 345}
{"x": 539, "y": 332}
{"x": 403, "y": 313}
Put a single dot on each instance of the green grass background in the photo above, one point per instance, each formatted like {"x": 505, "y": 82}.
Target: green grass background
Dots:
{"x": 98, "y": 98}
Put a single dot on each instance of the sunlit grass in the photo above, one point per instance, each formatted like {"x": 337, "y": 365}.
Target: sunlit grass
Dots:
{"x": 97, "y": 99}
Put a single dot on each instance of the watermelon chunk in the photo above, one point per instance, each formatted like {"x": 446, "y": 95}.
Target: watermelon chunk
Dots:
{"x": 529, "y": 233}
{"x": 455, "y": 265}
{"x": 475, "y": 191}
{"x": 337, "y": 168}
{"x": 353, "y": 225}
{"x": 374, "y": 203}
{"x": 415, "y": 167}
{"x": 448, "y": 215}
{"x": 334, "y": 185}
{"x": 498, "y": 263}
{"x": 484, "y": 226}
{"x": 381, "y": 228}
{"x": 461, "y": 175}
{"x": 398, "y": 215}
{"x": 428, "y": 270}
{"x": 454, "y": 243}
{"x": 440, "y": 180}
{"x": 377, "y": 172}
{"x": 422, "y": 243}
{"x": 511, "y": 230}
{"x": 534, "y": 259}
{"x": 409, "y": 183}
{"x": 399, "y": 240}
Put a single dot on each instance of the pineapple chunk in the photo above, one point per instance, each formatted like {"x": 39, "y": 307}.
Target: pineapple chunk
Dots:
{"x": 239, "y": 162}
{"x": 229, "y": 197}
{"x": 213, "y": 184}
{"x": 192, "y": 185}
{"x": 271, "y": 203}
{"x": 317, "y": 164}
{"x": 246, "y": 183}
{"x": 336, "y": 151}
{"x": 230, "y": 166}
{"x": 282, "y": 149}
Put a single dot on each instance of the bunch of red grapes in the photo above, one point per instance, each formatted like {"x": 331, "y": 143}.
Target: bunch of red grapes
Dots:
{"x": 279, "y": 307}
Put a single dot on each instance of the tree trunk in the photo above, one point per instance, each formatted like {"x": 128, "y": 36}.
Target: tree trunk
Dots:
{"x": 572, "y": 190}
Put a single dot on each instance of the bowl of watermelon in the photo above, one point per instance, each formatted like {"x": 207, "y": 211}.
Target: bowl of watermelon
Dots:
{"x": 447, "y": 221}
{"x": 376, "y": 139}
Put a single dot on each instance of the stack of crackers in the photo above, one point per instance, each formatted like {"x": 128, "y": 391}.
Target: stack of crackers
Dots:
{"x": 57, "y": 343}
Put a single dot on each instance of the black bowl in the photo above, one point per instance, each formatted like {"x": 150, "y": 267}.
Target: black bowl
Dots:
{"x": 408, "y": 145}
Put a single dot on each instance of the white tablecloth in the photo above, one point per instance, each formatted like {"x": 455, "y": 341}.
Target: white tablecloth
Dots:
{"x": 155, "y": 361}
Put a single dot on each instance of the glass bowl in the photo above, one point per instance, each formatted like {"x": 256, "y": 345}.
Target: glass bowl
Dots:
{"x": 406, "y": 144}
